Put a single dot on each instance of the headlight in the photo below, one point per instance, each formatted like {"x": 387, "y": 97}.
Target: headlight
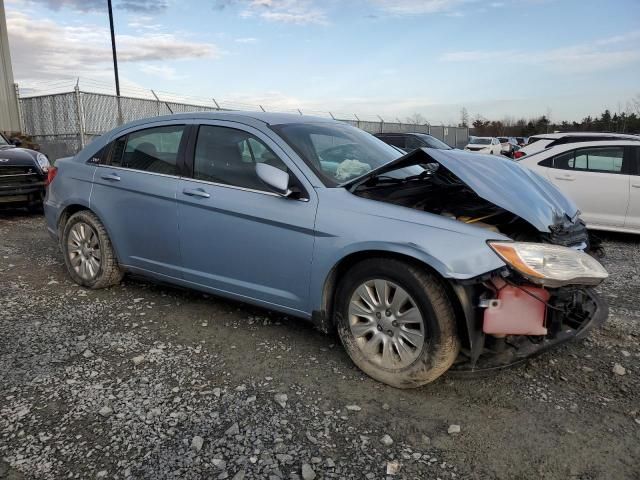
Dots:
{"x": 550, "y": 265}
{"x": 43, "y": 161}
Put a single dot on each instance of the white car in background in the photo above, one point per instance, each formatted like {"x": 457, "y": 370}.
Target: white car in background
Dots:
{"x": 489, "y": 145}
{"x": 536, "y": 143}
{"x": 601, "y": 177}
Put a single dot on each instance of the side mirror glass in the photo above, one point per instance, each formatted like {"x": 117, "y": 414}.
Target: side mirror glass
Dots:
{"x": 274, "y": 178}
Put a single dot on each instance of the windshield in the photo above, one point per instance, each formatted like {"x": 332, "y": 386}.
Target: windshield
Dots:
{"x": 337, "y": 152}
{"x": 480, "y": 141}
{"x": 433, "y": 142}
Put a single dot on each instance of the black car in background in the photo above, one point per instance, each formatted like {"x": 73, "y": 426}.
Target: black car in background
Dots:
{"x": 23, "y": 175}
{"x": 408, "y": 142}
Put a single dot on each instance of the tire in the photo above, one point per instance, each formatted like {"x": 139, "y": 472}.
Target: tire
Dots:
{"x": 102, "y": 269}
{"x": 422, "y": 363}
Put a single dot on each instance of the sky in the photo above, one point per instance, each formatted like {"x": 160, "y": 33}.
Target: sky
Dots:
{"x": 387, "y": 58}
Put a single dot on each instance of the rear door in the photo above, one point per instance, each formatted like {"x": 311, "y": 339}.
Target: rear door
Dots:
{"x": 597, "y": 180}
{"x": 134, "y": 194}
{"x": 235, "y": 235}
{"x": 633, "y": 212}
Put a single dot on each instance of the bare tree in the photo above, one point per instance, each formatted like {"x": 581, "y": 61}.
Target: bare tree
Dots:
{"x": 464, "y": 117}
{"x": 417, "y": 119}
{"x": 635, "y": 103}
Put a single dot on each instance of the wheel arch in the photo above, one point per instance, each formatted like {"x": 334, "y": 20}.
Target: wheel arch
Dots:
{"x": 74, "y": 208}
{"x": 325, "y": 319}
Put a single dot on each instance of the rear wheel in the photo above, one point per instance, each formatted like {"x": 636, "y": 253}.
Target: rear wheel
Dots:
{"x": 396, "y": 322}
{"x": 88, "y": 253}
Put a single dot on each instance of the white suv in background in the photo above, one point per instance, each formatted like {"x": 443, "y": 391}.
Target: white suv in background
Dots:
{"x": 489, "y": 145}
{"x": 539, "y": 142}
{"x": 601, "y": 177}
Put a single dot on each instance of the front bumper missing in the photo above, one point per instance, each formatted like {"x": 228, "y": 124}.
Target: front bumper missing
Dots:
{"x": 482, "y": 352}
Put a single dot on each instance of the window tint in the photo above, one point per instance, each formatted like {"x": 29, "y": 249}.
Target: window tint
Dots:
{"x": 395, "y": 140}
{"x": 228, "y": 156}
{"x": 413, "y": 143}
{"x": 598, "y": 159}
{"x": 151, "y": 150}
{"x": 635, "y": 156}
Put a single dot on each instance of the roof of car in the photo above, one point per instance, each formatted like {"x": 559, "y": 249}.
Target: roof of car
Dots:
{"x": 269, "y": 118}
{"x": 621, "y": 142}
{"x": 401, "y": 133}
{"x": 556, "y": 136}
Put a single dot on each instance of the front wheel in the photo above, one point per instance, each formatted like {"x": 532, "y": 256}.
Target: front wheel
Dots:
{"x": 396, "y": 322}
{"x": 88, "y": 253}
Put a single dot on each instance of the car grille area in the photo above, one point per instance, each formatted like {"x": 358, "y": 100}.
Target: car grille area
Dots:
{"x": 17, "y": 175}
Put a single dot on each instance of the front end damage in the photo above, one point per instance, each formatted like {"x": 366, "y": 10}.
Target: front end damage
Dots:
{"x": 531, "y": 304}
{"x": 564, "y": 313}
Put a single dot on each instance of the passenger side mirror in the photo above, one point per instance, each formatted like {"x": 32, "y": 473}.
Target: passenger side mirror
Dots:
{"x": 274, "y": 178}
{"x": 16, "y": 142}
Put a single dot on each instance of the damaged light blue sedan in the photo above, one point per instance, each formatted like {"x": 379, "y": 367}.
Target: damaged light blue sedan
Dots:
{"x": 433, "y": 260}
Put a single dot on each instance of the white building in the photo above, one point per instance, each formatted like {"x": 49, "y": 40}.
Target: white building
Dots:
{"x": 9, "y": 119}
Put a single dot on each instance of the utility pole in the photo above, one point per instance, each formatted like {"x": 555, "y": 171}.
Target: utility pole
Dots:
{"x": 113, "y": 48}
{"x": 115, "y": 61}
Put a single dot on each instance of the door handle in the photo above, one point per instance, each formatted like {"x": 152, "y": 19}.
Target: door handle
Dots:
{"x": 566, "y": 178}
{"x": 196, "y": 192}
{"x": 111, "y": 176}
{"x": 635, "y": 185}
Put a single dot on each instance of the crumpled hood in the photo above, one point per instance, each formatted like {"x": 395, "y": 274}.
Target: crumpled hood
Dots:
{"x": 500, "y": 181}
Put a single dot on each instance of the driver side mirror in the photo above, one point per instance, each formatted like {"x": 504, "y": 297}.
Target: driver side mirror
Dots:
{"x": 16, "y": 142}
{"x": 274, "y": 178}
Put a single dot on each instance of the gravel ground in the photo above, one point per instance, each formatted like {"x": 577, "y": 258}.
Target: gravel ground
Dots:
{"x": 148, "y": 381}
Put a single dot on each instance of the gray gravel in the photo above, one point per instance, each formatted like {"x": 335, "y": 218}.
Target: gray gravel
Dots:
{"x": 147, "y": 381}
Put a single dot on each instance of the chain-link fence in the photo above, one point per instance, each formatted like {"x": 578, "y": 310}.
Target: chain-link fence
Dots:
{"x": 63, "y": 123}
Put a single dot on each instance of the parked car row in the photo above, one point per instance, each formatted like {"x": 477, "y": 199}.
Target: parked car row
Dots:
{"x": 600, "y": 174}
{"x": 419, "y": 260}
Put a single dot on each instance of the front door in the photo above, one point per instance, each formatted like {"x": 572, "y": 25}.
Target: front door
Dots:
{"x": 134, "y": 194}
{"x": 236, "y": 236}
{"x": 596, "y": 180}
{"x": 633, "y": 212}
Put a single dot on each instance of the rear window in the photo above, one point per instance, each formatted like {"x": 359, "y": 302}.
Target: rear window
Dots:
{"x": 480, "y": 141}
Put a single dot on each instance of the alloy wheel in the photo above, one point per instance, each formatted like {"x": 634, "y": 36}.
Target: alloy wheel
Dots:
{"x": 83, "y": 249}
{"x": 386, "y": 323}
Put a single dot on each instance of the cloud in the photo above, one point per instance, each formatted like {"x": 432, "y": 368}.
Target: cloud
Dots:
{"x": 246, "y": 40}
{"x": 297, "y": 12}
{"x": 599, "y": 54}
{"x": 162, "y": 70}
{"x": 53, "y": 50}
{"x": 138, "y": 6}
{"x": 417, "y": 7}
{"x": 143, "y": 22}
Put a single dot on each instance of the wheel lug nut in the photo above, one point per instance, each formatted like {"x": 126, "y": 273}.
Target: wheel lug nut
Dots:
{"x": 388, "y": 313}
{"x": 390, "y": 333}
{"x": 394, "y": 323}
{"x": 378, "y": 315}
{"x": 380, "y": 327}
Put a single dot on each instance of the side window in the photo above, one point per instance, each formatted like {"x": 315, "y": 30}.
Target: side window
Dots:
{"x": 597, "y": 159}
{"x": 395, "y": 140}
{"x": 228, "y": 156}
{"x": 115, "y": 158}
{"x": 604, "y": 159}
{"x": 413, "y": 143}
{"x": 151, "y": 150}
{"x": 635, "y": 157}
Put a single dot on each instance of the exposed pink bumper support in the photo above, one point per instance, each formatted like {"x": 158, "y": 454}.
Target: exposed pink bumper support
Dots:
{"x": 517, "y": 312}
